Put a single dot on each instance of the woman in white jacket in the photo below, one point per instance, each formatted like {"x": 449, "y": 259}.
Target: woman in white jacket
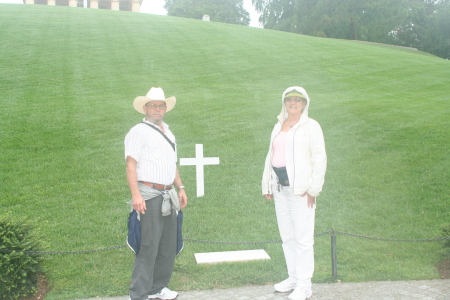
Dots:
{"x": 294, "y": 174}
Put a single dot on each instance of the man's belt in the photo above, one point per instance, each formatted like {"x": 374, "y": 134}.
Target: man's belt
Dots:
{"x": 157, "y": 186}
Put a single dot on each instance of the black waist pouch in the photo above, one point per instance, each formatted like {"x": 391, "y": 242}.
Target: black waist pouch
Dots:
{"x": 282, "y": 176}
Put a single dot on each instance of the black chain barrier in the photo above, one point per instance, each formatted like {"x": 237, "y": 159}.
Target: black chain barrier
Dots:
{"x": 392, "y": 240}
{"x": 67, "y": 252}
{"x": 333, "y": 232}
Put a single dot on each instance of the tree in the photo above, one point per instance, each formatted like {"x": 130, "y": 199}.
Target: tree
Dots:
{"x": 226, "y": 11}
{"x": 428, "y": 28}
{"x": 439, "y": 31}
{"x": 349, "y": 19}
{"x": 423, "y": 24}
{"x": 284, "y": 15}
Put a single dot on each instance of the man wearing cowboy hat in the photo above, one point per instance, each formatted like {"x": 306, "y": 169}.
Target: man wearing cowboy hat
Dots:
{"x": 152, "y": 177}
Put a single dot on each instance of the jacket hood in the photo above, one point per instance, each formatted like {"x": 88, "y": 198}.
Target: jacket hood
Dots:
{"x": 283, "y": 114}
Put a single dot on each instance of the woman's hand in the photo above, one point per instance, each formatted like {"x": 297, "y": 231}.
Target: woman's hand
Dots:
{"x": 268, "y": 196}
{"x": 311, "y": 199}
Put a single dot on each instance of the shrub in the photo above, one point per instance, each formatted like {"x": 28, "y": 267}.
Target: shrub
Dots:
{"x": 19, "y": 266}
{"x": 446, "y": 233}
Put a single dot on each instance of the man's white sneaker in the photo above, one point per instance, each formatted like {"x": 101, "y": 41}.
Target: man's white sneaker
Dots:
{"x": 165, "y": 294}
{"x": 285, "y": 286}
{"x": 300, "y": 294}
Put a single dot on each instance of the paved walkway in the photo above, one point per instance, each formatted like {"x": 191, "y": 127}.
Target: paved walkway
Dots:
{"x": 438, "y": 289}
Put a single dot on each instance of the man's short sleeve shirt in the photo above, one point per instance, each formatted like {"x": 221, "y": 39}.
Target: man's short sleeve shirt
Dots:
{"x": 156, "y": 159}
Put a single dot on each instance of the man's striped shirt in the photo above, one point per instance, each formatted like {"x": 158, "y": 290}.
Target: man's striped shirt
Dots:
{"x": 156, "y": 159}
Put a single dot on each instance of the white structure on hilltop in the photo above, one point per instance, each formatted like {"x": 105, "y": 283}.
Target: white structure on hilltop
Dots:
{"x": 125, "y": 5}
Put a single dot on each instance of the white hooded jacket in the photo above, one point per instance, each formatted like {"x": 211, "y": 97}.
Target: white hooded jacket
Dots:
{"x": 306, "y": 159}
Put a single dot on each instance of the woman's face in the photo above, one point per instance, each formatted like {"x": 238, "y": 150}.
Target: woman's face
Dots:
{"x": 294, "y": 105}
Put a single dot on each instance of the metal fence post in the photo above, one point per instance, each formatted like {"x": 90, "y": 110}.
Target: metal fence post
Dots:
{"x": 333, "y": 254}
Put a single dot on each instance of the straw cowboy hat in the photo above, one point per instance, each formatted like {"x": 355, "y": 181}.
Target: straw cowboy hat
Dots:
{"x": 155, "y": 94}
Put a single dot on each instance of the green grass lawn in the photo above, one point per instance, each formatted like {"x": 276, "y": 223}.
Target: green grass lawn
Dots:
{"x": 67, "y": 82}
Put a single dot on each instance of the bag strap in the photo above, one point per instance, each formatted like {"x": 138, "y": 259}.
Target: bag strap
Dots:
{"x": 162, "y": 133}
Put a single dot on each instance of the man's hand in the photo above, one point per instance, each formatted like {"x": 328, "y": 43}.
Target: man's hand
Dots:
{"x": 311, "y": 199}
{"x": 139, "y": 204}
{"x": 183, "y": 198}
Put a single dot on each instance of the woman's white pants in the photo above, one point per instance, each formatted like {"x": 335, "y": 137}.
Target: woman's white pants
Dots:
{"x": 296, "y": 225}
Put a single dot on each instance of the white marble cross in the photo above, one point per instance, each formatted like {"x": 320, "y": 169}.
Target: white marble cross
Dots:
{"x": 199, "y": 161}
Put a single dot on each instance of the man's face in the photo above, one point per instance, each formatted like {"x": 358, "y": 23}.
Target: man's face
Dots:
{"x": 155, "y": 111}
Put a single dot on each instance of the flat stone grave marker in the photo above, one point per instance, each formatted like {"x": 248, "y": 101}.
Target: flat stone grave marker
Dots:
{"x": 230, "y": 256}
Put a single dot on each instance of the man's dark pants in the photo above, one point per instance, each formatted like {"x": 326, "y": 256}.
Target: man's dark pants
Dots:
{"x": 154, "y": 264}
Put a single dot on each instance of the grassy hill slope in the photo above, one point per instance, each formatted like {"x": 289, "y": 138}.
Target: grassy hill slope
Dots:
{"x": 67, "y": 83}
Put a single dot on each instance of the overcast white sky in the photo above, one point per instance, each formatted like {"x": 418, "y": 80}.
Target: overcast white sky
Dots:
{"x": 156, "y": 7}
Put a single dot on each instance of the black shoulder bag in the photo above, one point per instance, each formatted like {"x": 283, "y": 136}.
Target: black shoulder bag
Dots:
{"x": 162, "y": 133}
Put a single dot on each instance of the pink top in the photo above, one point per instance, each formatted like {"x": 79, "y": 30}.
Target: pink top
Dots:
{"x": 278, "y": 153}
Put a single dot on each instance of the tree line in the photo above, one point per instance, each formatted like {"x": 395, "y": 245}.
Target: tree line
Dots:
{"x": 421, "y": 24}
{"x": 225, "y": 11}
